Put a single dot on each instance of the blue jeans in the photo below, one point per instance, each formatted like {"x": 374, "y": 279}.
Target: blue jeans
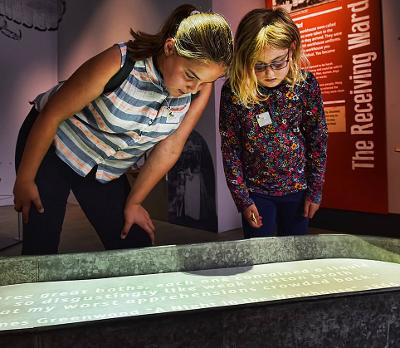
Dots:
{"x": 280, "y": 214}
{"x": 103, "y": 204}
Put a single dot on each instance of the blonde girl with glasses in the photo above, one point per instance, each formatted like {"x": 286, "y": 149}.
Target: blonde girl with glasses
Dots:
{"x": 82, "y": 137}
{"x": 273, "y": 128}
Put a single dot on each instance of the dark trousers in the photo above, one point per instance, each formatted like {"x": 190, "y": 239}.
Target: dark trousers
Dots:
{"x": 103, "y": 204}
{"x": 281, "y": 214}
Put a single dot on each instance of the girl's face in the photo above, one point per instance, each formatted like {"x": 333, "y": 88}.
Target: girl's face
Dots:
{"x": 182, "y": 75}
{"x": 272, "y": 66}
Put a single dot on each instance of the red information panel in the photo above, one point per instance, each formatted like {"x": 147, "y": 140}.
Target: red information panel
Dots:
{"x": 343, "y": 41}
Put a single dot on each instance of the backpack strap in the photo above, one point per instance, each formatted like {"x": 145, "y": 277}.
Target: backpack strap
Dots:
{"x": 120, "y": 76}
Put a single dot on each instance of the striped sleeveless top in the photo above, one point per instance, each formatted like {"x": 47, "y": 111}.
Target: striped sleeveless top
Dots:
{"x": 115, "y": 130}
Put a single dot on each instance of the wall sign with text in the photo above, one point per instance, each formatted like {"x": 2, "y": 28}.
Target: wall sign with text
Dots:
{"x": 343, "y": 41}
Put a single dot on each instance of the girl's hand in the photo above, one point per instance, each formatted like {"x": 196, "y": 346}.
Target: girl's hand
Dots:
{"x": 136, "y": 214}
{"x": 310, "y": 208}
{"x": 26, "y": 193}
{"x": 252, "y": 216}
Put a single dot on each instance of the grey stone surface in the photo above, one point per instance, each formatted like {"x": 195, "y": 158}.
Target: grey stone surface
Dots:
{"x": 20, "y": 269}
{"x": 15, "y": 270}
{"x": 336, "y": 246}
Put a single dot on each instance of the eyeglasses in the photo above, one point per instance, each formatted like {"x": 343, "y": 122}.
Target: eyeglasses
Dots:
{"x": 260, "y": 67}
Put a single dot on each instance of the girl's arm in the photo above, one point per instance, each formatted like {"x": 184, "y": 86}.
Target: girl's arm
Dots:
{"x": 161, "y": 160}
{"x": 85, "y": 85}
{"x": 316, "y": 135}
{"x": 231, "y": 148}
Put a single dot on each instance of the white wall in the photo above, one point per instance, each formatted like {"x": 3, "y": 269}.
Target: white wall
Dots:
{"x": 391, "y": 34}
{"x": 93, "y": 25}
{"x": 28, "y": 67}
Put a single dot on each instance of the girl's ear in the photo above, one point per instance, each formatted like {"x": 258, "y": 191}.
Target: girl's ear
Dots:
{"x": 169, "y": 46}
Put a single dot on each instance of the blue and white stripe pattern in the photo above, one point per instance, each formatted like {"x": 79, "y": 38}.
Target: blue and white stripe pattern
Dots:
{"x": 117, "y": 128}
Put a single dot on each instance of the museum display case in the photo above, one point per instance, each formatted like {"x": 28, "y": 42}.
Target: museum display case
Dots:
{"x": 306, "y": 291}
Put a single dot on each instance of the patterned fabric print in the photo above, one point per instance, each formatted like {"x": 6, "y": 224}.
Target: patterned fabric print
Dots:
{"x": 286, "y": 154}
{"x": 116, "y": 129}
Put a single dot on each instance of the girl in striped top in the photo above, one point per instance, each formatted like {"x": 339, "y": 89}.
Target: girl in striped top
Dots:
{"x": 82, "y": 138}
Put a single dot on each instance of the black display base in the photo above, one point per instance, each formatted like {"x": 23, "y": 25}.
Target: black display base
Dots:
{"x": 367, "y": 320}
{"x": 342, "y": 221}
{"x": 8, "y": 242}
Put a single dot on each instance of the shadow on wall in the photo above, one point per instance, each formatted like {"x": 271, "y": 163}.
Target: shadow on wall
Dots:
{"x": 191, "y": 187}
{"x": 27, "y": 29}
{"x": 27, "y": 71}
{"x": 40, "y": 15}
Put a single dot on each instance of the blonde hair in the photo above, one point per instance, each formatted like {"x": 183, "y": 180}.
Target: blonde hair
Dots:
{"x": 257, "y": 30}
{"x": 198, "y": 35}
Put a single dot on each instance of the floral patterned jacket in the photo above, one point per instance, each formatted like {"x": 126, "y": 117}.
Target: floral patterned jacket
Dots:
{"x": 280, "y": 152}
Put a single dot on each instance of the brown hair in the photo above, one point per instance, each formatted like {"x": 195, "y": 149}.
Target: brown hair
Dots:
{"x": 205, "y": 36}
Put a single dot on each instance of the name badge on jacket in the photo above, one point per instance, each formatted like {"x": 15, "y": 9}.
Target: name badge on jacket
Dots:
{"x": 173, "y": 117}
{"x": 264, "y": 119}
